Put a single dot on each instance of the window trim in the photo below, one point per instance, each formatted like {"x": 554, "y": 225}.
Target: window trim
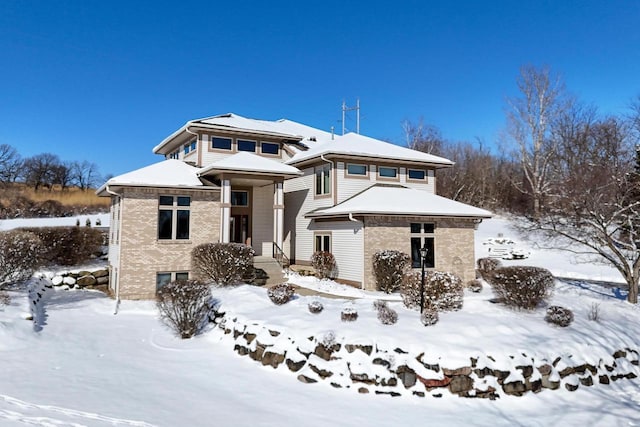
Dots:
{"x": 347, "y": 174}
{"x": 255, "y": 145}
{"x": 322, "y": 235}
{"x": 175, "y": 208}
{"x": 322, "y": 194}
{"x": 389, "y": 178}
{"x": 240, "y": 191}
{"x": 278, "y": 154}
{"x": 423, "y": 235}
{"x": 173, "y": 276}
{"x": 221, "y": 150}
{"x": 425, "y": 171}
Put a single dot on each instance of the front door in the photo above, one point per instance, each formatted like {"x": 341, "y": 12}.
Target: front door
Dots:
{"x": 239, "y": 229}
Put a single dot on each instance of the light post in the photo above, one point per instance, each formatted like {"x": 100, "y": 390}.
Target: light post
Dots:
{"x": 423, "y": 256}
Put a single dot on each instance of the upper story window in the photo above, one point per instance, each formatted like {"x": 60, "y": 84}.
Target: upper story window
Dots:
{"x": 357, "y": 170}
{"x": 417, "y": 174}
{"x": 190, "y": 146}
{"x": 422, "y": 236}
{"x": 220, "y": 143}
{"x": 239, "y": 198}
{"x": 246, "y": 145}
{"x": 173, "y": 217}
{"x": 323, "y": 179}
{"x": 269, "y": 148}
{"x": 387, "y": 172}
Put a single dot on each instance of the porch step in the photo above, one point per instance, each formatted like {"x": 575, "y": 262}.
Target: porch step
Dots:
{"x": 269, "y": 267}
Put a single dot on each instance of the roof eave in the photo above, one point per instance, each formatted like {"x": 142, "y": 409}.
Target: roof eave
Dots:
{"x": 378, "y": 213}
{"x": 330, "y": 154}
{"x": 103, "y": 190}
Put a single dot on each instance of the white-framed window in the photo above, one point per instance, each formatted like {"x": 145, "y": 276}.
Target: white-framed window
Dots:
{"x": 220, "y": 143}
{"x": 246, "y": 145}
{"x": 423, "y": 236}
{"x": 387, "y": 172}
{"x": 166, "y": 277}
{"x": 354, "y": 169}
{"x": 323, "y": 180}
{"x": 174, "y": 217}
{"x": 322, "y": 242}
{"x": 417, "y": 174}
{"x": 190, "y": 146}
{"x": 271, "y": 148}
{"x": 239, "y": 198}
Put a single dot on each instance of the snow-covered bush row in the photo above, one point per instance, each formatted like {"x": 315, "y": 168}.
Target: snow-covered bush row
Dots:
{"x": 223, "y": 263}
{"x": 442, "y": 291}
{"x": 324, "y": 263}
{"x": 521, "y": 287}
{"x": 280, "y": 294}
{"x": 559, "y": 316}
{"x": 21, "y": 254}
{"x": 185, "y": 306}
{"x": 69, "y": 245}
{"x": 368, "y": 367}
{"x": 389, "y": 269}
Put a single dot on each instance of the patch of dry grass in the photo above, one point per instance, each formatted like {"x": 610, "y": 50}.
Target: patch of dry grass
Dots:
{"x": 68, "y": 197}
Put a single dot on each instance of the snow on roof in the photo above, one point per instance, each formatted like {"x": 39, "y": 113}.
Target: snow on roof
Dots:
{"x": 283, "y": 128}
{"x": 354, "y": 144}
{"x": 168, "y": 173}
{"x": 396, "y": 200}
{"x": 249, "y": 162}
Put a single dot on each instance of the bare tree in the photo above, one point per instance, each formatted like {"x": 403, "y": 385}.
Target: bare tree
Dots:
{"x": 10, "y": 164}
{"x": 530, "y": 118}
{"x": 596, "y": 212}
{"x": 62, "y": 175}
{"x": 39, "y": 170}
{"x": 84, "y": 174}
{"x": 422, "y": 137}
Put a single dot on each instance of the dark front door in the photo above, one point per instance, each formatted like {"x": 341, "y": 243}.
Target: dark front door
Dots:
{"x": 239, "y": 228}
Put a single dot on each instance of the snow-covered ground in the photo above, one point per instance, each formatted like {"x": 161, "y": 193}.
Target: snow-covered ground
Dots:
{"x": 9, "y": 224}
{"x": 90, "y": 367}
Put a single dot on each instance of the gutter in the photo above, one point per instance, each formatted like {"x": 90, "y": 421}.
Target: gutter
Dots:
{"x": 115, "y": 310}
{"x": 351, "y": 218}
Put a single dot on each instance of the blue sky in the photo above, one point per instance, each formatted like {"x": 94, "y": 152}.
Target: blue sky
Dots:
{"x": 106, "y": 81}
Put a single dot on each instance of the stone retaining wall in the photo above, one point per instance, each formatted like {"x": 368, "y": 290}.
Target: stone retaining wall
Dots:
{"x": 81, "y": 279}
{"x": 369, "y": 369}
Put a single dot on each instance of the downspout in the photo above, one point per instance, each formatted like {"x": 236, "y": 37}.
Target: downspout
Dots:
{"x": 333, "y": 189}
{"x": 351, "y": 218}
{"x": 186, "y": 128}
{"x": 115, "y": 311}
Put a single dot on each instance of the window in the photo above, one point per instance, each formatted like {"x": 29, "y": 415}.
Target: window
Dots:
{"x": 239, "y": 198}
{"x": 173, "y": 217}
{"x": 422, "y": 236}
{"x": 417, "y": 174}
{"x": 387, "y": 172}
{"x": 322, "y": 242}
{"x": 269, "y": 148}
{"x": 165, "y": 278}
{"x": 323, "y": 179}
{"x": 353, "y": 169}
{"x": 221, "y": 143}
{"x": 245, "y": 145}
{"x": 190, "y": 146}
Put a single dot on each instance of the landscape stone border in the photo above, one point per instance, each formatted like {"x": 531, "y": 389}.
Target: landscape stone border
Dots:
{"x": 368, "y": 368}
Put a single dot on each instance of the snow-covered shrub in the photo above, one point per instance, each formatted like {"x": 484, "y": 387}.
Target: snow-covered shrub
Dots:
{"x": 98, "y": 222}
{"x": 348, "y": 314}
{"x": 389, "y": 268}
{"x": 20, "y": 255}
{"x": 429, "y": 317}
{"x": 315, "y": 307}
{"x": 184, "y": 306}
{"x": 280, "y": 294}
{"x": 5, "y": 299}
{"x": 324, "y": 263}
{"x": 442, "y": 291}
{"x": 520, "y": 286}
{"x": 486, "y": 265}
{"x": 387, "y": 316}
{"x": 223, "y": 263}
{"x": 379, "y": 304}
{"x": 68, "y": 245}
{"x": 474, "y": 285}
{"x": 559, "y": 316}
{"x": 328, "y": 339}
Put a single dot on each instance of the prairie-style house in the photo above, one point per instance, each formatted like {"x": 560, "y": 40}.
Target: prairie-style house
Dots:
{"x": 287, "y": 190}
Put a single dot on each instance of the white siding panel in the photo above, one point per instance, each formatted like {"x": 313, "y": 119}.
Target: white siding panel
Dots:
{"x": 349, "y": 186}
{"x": 209, "y": 157}
{"x": 262, "y": 218}
{"x": 347, "y": 246}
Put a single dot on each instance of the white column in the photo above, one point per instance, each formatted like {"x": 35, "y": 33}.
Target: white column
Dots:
{"x": 225, "y": 210}
{"x": 278, "y": 214}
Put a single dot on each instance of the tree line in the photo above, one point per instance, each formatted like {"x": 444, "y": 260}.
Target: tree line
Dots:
{"x": 571, "y": 171}
{"x": 46, "y": 170}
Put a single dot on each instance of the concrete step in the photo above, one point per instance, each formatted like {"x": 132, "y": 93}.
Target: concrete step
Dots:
{"x": 269, "y": 267}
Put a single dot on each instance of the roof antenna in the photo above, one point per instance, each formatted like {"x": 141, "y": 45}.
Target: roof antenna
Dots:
{"x": 332, "y": 132}
{"x": 344, "y": 113}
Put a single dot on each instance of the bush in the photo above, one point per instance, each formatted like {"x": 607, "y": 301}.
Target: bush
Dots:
{"x": 389, "y": 269}
{"x": 280, "y": 294}
{"x": 5, "y": 299}
{"x": 184, "y": 306}
{"x": 521, "y": 287}
{"x": 324, "y": 263}
{"x": 486, "y": 265}
{"x": 559, "y": 316}
{"x": 474, "y": 286}
{"x": 429, "y": 317}
{"x": 20, "y": 255}
{"x": 68, "y": 245}
{"x": 349, "y": 314}
{"x": 315, "y": 307}
{"x": 442, "y": 291}
{"x": 379, "y": 304}
{"x": 387, "y": 316}
{"x": 222, "y": 263}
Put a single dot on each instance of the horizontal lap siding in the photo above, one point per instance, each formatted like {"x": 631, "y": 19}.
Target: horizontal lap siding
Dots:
{"x": 347, "y": 245}
{"x": 262, "y": 218}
